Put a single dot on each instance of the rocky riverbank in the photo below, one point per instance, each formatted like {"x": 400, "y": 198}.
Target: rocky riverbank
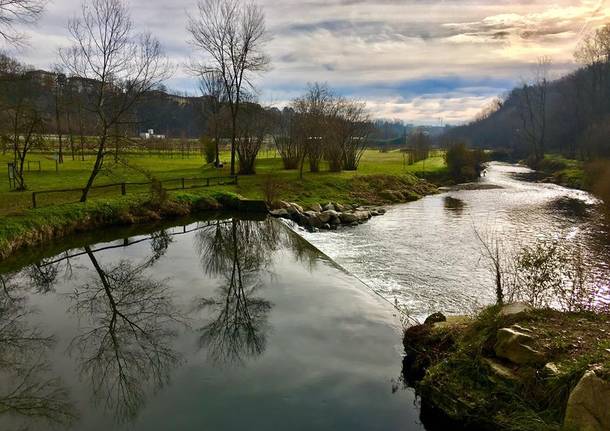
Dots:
{"x": 329, "y": 216}
{"x": 512, "y": 368}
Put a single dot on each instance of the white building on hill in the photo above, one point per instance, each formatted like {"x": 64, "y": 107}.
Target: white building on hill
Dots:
{"x": 150, "y": 134}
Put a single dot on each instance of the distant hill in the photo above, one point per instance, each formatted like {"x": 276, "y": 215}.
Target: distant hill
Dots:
{"x": 168, "y": 114}
{"x": 577, "y": 112}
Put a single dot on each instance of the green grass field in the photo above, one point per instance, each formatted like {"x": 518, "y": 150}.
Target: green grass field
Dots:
{"x": 315, "y": 187}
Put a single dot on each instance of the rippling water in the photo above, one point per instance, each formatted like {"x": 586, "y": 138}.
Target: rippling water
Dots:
{"x": 425, "y": 256}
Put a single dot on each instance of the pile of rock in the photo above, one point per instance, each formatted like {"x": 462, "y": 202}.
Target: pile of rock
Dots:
{"x": 328, "y": 216}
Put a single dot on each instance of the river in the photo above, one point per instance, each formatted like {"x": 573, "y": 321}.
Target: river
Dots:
{"x": 217, "y": 324}
{"x": 231, "y": 323}
{"x": 425, "y": 255}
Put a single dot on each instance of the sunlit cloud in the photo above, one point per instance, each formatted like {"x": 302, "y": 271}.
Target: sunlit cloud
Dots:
{"x": 417, "y": 60}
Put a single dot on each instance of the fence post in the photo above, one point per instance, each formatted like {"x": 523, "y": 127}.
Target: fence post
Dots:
{"x": 207, "y": 182}
{"x": 33, "y": 199}
{"x": 182, "y": 183}
{"x": 123, "y": 189}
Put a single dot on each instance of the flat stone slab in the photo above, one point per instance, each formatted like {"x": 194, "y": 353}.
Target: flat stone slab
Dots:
{"x": 517, "y": 347}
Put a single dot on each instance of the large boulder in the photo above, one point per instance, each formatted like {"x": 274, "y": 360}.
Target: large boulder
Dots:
{"x": 499, "y": 370}
{"x": 313, "y": 219}
{"x": 348, "y": 218}
{"x": 296, "y": 207}
{"x": 517, "y": 347}
{"x": 327, "y": 216}
{"x": 315, "y": 207}
{"x": 362, "y": 215}
{"x": 588, "y": 405}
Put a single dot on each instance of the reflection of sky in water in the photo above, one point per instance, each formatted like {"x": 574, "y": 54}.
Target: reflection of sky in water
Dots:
{"x": 424, "y": 255}
{"x": 232, "y": 325}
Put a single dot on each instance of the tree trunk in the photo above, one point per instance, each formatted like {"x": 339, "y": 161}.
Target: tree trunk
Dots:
{"x": 96, "y": 168}
{"x": 233, "y": 138}
{"x": 60, "y": 155}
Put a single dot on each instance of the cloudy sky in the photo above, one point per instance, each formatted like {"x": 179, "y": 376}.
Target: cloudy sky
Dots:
{"x": 421, "y": 61}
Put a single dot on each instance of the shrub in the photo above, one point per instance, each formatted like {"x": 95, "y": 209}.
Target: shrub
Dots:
{"x": 463, "y": 163}
{"x": 158, "y": 195}
{"x": 209, "y": 149}
{"x": 271, "y": 187}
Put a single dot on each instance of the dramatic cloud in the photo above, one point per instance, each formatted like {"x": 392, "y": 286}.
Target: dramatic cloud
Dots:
{"x": 422, "y": 61}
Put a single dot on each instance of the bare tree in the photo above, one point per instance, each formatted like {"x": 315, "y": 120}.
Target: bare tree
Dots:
{"x": 118, "y": 66}
{"x": 232, "y": 34}
{"x": 353, "y": 130}
{"x": 252, "y": 127}
{"x": 16, "y": 12}
{"x": 532, "y": 110}
{"x": 313, "y": 109}
{"x": 285, "y": 138}
{"x": 211, "y": 85}
{"x": 23, "y": 121}
{"x": 59, "y": 85}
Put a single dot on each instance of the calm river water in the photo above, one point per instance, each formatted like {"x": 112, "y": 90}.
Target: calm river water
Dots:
{"x": 219, "y": 325}
{"x": 425, "y": 255}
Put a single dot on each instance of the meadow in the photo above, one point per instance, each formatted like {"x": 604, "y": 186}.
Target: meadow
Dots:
{"x": 314, "y": 187}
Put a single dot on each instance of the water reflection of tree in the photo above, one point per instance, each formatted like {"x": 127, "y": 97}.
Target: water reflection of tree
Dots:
{"x": 239, "y": 251}
{"x": 28, "y": 390}
{"x": 126, "y": 349}
{"x": 453, "y": 205}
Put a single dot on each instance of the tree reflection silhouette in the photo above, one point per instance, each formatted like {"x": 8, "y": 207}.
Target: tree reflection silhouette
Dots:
{"x": 126, "y": 349}
{"x": 28, "y": 390}
{"x": 239, "y": 251}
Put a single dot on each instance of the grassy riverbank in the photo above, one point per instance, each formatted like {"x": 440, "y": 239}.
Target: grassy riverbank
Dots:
{"x": 460, "y": 370}
{"x": 382, "y": 178}
{"x": 314, "y": 187}
{"x": 564, "y": 171}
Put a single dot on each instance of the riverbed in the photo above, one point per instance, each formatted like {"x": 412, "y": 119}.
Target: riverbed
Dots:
{"x": 425, "y": 256}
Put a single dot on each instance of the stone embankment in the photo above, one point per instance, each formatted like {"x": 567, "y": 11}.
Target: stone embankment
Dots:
{"x": 329, "y": 216}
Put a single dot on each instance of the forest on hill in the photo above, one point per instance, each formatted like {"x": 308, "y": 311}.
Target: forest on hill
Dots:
{"x": 570, "y": 115}
{"x": 62, "y": 99}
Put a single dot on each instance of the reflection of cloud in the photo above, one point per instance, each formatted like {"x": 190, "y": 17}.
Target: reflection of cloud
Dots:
{"x": 363, "y": 43}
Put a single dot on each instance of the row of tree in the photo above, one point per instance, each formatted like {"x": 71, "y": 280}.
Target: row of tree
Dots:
{"x": 318, "y": 125}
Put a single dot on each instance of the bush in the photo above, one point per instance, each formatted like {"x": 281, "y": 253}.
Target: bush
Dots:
{"x": 158, "y": 195}
{"x": 209, "y": 149}
{"x": 464, "y": 164}
{"x": 271, "y": 187}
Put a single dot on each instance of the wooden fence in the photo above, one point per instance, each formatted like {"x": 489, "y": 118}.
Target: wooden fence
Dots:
{"x": 179, "y": 184}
